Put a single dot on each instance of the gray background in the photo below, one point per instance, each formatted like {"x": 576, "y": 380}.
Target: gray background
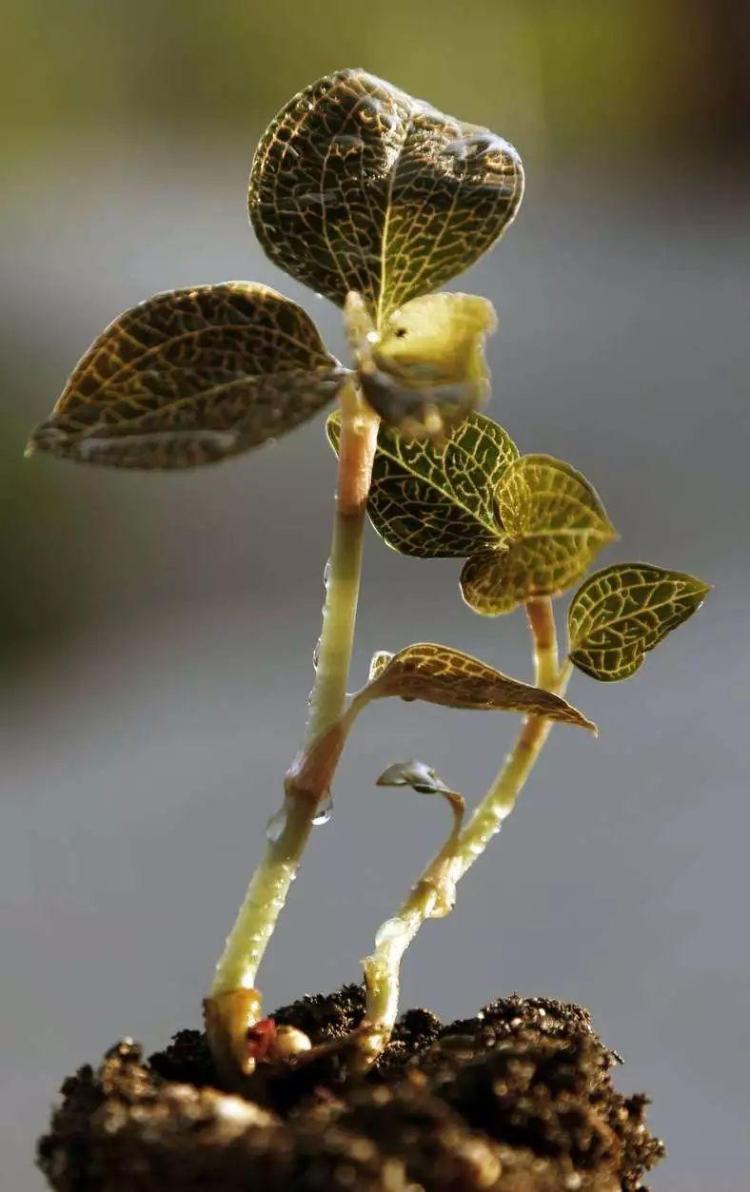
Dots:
{"x": 161, "y": 629}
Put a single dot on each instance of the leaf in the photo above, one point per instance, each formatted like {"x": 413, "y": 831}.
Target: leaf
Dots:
{"x": 357, "y": 186}
{"x": 622, "y": 612}
{"x": 555, "y": 523}
{"x": 418, "y": 775}
{"x": 192, "y": 376}
{"x": 442, "y": 675}
{"x": 378, "y": 663}
{"x": 426, "y": 371}
{"x": 433, "y": 502}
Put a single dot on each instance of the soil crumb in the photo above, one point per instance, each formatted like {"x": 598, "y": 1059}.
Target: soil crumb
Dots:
{"x": 517, "y": 1099}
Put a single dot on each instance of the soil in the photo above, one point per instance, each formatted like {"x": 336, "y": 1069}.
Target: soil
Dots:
{"x": 517, "y": 1099}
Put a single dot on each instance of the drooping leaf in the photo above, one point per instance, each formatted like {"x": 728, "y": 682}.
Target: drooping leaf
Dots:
{"x": 418, "y": 775}
{"x": 358, "y": 186}
{"x": 433, "y": 502}
{"x": 192, "y": 376}
{"x": 622, "y": 612}
{"x": 555, "y": 523}
{"x": 427, "y": 370}
{"x": 442, "y": 675}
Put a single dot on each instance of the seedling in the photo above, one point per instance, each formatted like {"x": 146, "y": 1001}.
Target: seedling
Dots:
{"x": 375, "y": 200}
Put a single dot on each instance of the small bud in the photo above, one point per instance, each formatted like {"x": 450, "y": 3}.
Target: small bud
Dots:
{"x": 289, "y": 1042}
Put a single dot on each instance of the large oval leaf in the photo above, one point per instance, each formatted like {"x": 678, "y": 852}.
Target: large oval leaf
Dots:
{"x": 438, "y": 502}
{"x": 192, "y": 376}
{"x": 555, "y": 523}
{"x": 442, "y": 675}
{"x": 357, "y": 186}
{"x": 622, "y": 612}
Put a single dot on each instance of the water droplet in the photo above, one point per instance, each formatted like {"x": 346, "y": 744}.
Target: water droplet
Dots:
{"x": 275, "y": 826}
{"x": 389, "y": 932}
{"x": 324, "y": 812}
{"x": 327, "y": 573}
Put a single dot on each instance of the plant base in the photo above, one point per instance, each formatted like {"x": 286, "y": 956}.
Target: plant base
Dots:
{"x": 516, "y": 1099}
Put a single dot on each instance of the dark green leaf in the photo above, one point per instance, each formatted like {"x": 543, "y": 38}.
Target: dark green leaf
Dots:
{"x": 192, "y": 376}
{"x": 442, "y": 675}
{"x": 357, "y": 186}
{"x": 622, "y": 612}
{"x": 555, "y": 525}
{"x": 434, "y": 502}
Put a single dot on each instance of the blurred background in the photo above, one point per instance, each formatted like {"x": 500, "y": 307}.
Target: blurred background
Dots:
{"x": 156, "y": 630}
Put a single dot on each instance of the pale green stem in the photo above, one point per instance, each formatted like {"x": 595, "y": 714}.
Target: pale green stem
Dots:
{"x": 503, "y": 794}
{"x": 308, "y": 779}
{"x": 431, "y": 898}
{"x": 395, "y": 935}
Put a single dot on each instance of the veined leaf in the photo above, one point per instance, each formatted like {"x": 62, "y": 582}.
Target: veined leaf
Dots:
{"x": 357, "y": 186}
{"x": 622, "y": 612}
{"x": 192, "y": 376}
{"x": 555, "y": 525}
{"x": 442, "y": 675}
{"x": 427, "y": 370}
{"x": 438, "y": 502}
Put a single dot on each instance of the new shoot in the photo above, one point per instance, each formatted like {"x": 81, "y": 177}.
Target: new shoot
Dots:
{"x": 375, "y": 200}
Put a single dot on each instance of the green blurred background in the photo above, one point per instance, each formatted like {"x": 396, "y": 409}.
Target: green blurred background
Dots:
{"x": 155, "y": 631}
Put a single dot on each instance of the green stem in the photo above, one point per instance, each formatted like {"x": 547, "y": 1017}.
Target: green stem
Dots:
{"x": 431, "y": 898}
{"x": 307, "y": 782}
{"x": 395, "y": 935}
{"x": 502, "y": 795}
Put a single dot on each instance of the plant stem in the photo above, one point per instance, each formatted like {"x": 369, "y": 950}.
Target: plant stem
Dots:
{"x": 502, "y": 795}
{"x": 307, "y": 782}
{"x": 395, "y": 935}
{"x": 431, "y": 898}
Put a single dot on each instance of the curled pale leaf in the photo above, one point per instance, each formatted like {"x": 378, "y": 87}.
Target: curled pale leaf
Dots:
{"x": 192, "y": 376}
{"x": 418, "y": 775}
{"x": 555, "y": 525}
{"x": 442, "y": 675}
{"x": 433, "y": 502}
{"x": 622, "y": 612}
{"x": 358, "y": 186}
{"x": 426, "y": 370}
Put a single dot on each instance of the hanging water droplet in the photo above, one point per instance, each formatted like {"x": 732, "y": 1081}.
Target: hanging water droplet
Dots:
{"x": 389, "y": 932}
{"x": 323, "y": 812}
{"x": 275, "y": 826}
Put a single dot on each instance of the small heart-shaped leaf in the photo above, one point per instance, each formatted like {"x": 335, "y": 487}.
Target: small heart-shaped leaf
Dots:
{"x": 442, "y": 675}
{"x": 555, "y": 525}
{"x": 426, "y": 371}
{"x": 192, "y": 376}
{"x": 438, "y": 502}
{"x": 622, "y": 612}
{"x": 357, "y": 186}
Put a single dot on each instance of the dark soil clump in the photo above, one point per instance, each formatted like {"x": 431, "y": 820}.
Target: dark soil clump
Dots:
{"x": 517, "y": 1099}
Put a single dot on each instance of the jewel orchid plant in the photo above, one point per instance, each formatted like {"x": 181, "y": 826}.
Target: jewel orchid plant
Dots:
{"x": 375, "y": 200}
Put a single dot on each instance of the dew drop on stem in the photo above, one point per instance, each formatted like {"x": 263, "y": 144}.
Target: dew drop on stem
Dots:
{"x": 323, "y": 812}
{"x": 276, "y": 825}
